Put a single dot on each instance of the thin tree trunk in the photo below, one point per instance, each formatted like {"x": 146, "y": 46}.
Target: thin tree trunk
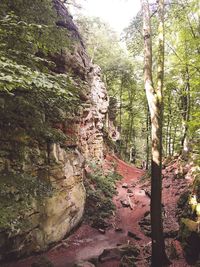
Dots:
{"x": 154, "y": 97}
{"x": 174, "y": 139}
{"x": 186, "y": 114}
{"x": 120, "y": 115}
{"x": 130, "y": 133}
{"x": 147, "y": 138}
{"x": 169, "y": 126}
{"x": 170, "y": 139}
{"x": 167, "y": 136}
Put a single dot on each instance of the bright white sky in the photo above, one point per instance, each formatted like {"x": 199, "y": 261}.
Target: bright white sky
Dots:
{"x": 118, "y": 13}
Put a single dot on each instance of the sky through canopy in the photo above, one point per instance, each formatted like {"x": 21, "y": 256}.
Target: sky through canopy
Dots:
{"x": 118, "y": 13}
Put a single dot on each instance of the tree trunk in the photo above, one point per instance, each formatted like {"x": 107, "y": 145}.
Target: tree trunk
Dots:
{"x": 154, "y": 97}
{"x": 130, "y": 133}
{"x": 169, "y": 125}
{"x": 168, "y": 129}
{"x": 120, "y": 115}
{"x": 147, "y": 138}
{"x": 174, "y": 138}
{"x": 167, "y": 136}
{"x": 170, "y": 139}
{"x": 185, "y": 115}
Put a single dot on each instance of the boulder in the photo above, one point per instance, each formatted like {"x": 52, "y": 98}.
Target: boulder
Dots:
{"x": 190, "y": 239}
{"x": 118, "y": 252}
{"x": 47, "y": 208}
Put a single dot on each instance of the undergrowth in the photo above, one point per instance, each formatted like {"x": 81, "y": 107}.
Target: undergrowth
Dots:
{"x": 129, "y": 255}
{"x": 100, "y": 189}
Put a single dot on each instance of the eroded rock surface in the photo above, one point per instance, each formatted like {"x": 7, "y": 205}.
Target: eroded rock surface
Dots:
{"x": 41, "y": 209}
{"x": 42, "y": 195}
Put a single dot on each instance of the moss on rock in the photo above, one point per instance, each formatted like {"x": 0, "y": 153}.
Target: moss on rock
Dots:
{"x": 190, "y": 239}
{"x": 19, "y": 195}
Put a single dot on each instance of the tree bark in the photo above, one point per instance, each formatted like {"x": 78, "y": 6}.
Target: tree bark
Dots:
{"x": 168, "y": 129}
{"x": 174, "y": 138}
{"x": 185, "y": 114}
{"x": 120, "y": 115}
{"x": 155, "y": 102}
{"x": 147, "y": 138}
{"x": 170, "y": 139}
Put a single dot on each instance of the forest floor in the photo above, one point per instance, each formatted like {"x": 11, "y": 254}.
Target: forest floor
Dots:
{"x": 128, "y": 225}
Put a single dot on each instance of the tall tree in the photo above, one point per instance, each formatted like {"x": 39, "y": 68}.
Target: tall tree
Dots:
{"x": 155, "y": 102}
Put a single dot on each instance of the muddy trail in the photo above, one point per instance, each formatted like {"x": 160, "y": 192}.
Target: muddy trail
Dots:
{"x": 132, "y": 203}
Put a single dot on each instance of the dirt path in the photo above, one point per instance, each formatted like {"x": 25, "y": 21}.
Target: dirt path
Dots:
{"x": 87, "y": 242}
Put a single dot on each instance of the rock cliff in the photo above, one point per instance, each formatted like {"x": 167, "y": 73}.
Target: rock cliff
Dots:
{"x": 42, "y": 195}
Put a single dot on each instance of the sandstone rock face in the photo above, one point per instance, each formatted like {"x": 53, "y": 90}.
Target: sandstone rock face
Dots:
{"x": 94, "y": 116}
{"x": 45, "y": 207}
{"x": 88, "y": 127}
{"x": 64, "y": 209}
{"x": 42, "y": 195}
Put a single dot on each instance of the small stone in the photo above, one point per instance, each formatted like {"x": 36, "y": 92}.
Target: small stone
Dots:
{"x": 118, "y": 229}
{"x": 133, "y": 184}
{"x": 129, "y": 190}
{"x": 147, "y": 193}
{"x": 102, "y": 231}
{"x": 125, "y": 185}
{"x": 125, "y": 203}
